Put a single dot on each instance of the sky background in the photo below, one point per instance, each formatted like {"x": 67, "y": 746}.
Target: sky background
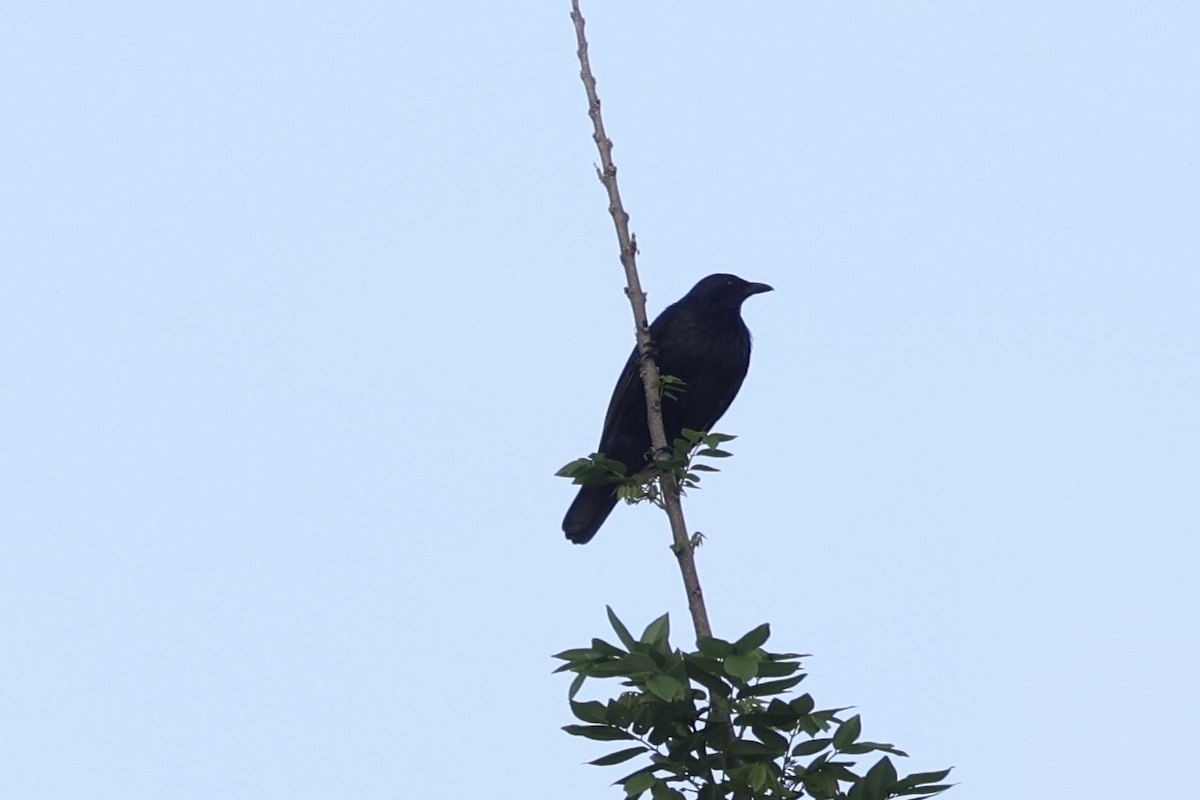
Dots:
{"x": 301, "y": 307}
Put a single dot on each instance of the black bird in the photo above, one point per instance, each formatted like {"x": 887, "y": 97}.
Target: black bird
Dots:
{"x": 701, "y": 340}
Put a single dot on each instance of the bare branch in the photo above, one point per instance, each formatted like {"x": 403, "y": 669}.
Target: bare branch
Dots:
{"x": 607, "y": 172}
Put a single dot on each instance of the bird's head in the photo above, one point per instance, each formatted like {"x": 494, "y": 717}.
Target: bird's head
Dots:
{"x": 724, "y": 290}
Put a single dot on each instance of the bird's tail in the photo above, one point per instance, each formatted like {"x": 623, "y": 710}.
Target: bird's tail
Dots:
{"x": 587, "y": 513}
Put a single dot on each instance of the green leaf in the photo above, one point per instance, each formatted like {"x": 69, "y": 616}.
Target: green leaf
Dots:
{"x": 631, "y": 494}
{"x": 651, "y": 768}
{"x": 802, "y": 704}
{"x": 630, "y": 665}
{"x": 665, "y": 687}
{"x": 619, "y": 627}
{"x": 571, "y": 468}
{"x": 932, "y": 790}
{"x": 718, "y": 438}
{"x": 811, "y": 746}
{"x": 603, "y": 648}
{"x": 918, "y": 778}
{"x": 651, "y": 652}
{"x": 753, "y": 640}
{"x": 691, "y": 435}
{"x": 879, "y": 779}
{"x": 601, "y": 733}
{"x": 859, "y": 748}
{"x": 638, "y": 663}
{"x": 753, "y": 718}
{"x": 704, "y": 468}
{"x": 809, "y": 725}
{"x": 619, "y": 757}
{"x": 609, "y": 465}
{"x": 776, "y": 669}
{"x": 841, "y": 771}
{"x": 618, "y": 714}
{"x": 782, "y": 713}
{"x": 716, "y": 648}
{"x": 775, "y": 741}
{"x": 758, "y": 777}
{"x": 831, "y": 713}
{"x": 821, "y": 785}
{"x": 848, "y": 732}
{"x": 660, "y": 791}
{"x": 710, "y": 676}
{"x": 658, "y": 630}
{"x": 700, "y": 663}
{"x": 640, "y": 783}
{"x": 712, "y": 452}
{"x": 764, "y": 688}
{"x": 751, "y": 748}
{"x": 576, "y": 685}
{"x": 597, "y": 469}
{"x": 576, "y": 654}
{"x": 676, "y": 668}
{"x": 718, "y": 735}
{"x": 741, "y": 665}
{"x": 589, "y": 712}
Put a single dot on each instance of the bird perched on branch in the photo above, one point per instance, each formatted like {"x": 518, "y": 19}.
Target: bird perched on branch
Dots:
{"x": 701, "y": 340}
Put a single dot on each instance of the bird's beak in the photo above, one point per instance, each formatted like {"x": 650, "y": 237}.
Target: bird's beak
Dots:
{"x": 758, "y": 288}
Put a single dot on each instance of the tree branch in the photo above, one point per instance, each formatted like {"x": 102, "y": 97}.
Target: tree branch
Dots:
{"x": 607, "y": 172}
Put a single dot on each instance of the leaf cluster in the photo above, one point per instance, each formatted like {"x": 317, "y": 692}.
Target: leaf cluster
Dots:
{"x": 598, "y": 469}
{"x": 714, "y": 724}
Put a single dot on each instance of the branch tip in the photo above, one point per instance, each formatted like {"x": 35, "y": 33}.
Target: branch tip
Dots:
{"x": 637, "y": 299}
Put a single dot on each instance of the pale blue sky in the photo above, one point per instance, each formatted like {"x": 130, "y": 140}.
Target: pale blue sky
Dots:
{"x": 302, "y": 306}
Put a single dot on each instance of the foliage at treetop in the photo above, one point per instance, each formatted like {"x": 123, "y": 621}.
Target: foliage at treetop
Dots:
{"x": 714, "y": 723}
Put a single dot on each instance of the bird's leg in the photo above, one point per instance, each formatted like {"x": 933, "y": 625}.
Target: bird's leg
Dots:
{"x": 652, "y": 472}
{"x": 653, "y": 456}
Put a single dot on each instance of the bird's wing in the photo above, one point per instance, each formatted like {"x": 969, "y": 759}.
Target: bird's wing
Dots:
{"x": 725, "y": 401}
{"x": 628, "y": 387}
{"x": 625, "y": 421}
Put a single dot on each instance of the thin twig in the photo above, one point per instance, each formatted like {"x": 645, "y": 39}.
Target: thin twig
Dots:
{"x": 607, "y": 172}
